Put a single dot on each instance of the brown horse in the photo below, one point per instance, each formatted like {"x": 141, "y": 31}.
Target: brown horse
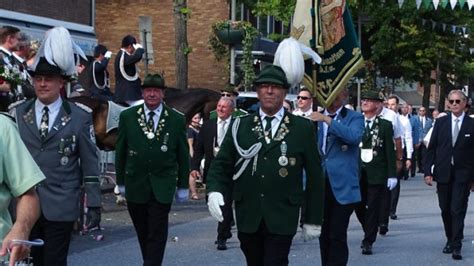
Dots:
{"x": 189, "y": 102}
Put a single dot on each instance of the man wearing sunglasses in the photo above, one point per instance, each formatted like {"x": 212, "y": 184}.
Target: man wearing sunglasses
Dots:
{"x": 231, "y": 92}
{"x": 304, "y": 103}
{"x": 450, "y": 152}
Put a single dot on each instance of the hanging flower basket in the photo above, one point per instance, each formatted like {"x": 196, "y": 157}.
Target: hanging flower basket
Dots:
{"x": 230, "y": 36}
{"x": 224, "y": 33}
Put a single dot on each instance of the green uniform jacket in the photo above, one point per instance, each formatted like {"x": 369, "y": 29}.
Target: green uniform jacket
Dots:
{"x": 383, "y": 164}
{"x": 152, "y": 167}
{"x": 273, "y": 192}
{"x": 236, "y": 113}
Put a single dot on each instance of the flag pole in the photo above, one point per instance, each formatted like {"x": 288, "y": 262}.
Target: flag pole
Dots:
{"x": 313, "y": 44}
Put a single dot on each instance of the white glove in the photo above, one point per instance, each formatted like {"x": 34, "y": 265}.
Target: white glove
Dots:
{"x": 108, "y": 54}
{"x": 137, "y": 46}
{"x": 392, "y": 183}
{"x": 311, "y": 231}
{"x": 119, "y": 192}
{"x": 119, "y": 189}
{"x": 182, "y": 194}
{"x": 214, "y": 202}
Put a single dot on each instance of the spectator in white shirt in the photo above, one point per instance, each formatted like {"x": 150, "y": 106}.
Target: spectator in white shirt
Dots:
{"x": 304, "y": 103}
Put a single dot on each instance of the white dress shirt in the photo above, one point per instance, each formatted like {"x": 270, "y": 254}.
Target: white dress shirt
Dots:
{"x": 306, "y": 114}
{"x": 460, "y": 118}
{"x": 222, "y": 131}
{"x": 276, "y": 119}
{"x": 391, "y": 116}
{"x": 407, "y": 138}
{"x": 53, "y": 111}
{"x": 157, "y": 115}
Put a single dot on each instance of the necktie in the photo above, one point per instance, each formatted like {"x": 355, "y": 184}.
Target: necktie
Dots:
{"x": 44, "y": 124}
{"x": 422, "y": 122}
{"x": 332, "y": 116}
{"x": 151, "y": 123}
{"x": 268, "y": 126}
{"x": 367, "y": 127}
{"x": 220, "y": 138}
{"x": 455, "y": 131}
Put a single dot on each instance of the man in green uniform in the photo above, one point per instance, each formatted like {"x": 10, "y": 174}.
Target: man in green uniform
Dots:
{"x": 263, "y": 157}
{"x": 152, "y": 159}
{"x": 230, "y": 92}
{"x": 378, "y": 163}
{"x": 19, "y": 176}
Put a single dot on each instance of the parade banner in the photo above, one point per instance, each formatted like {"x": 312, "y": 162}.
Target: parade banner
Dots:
{"x": 332, "y": 36}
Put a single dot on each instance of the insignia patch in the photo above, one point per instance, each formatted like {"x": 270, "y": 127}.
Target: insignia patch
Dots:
{"x": 292, "y": 161}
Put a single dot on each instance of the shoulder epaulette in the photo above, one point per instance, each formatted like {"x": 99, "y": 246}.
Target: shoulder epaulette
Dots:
{"x": 242, "y": 110}
{"x": 83, "y": 107}
{"x": 177, "y": 111}
{"x": 15, "y": 104}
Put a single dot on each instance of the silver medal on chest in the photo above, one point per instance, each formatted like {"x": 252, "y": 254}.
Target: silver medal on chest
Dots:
{"x": 64, "y": 160}
{"x": 283, "y": 160}
{"x": 150, "y": 135}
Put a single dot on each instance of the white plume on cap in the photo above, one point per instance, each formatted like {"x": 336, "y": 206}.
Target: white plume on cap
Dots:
{"x": 59, "y": 49}
{"x": 290, "y": 57}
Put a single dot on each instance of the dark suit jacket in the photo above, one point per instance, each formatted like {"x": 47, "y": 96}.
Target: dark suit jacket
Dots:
{"x": 440, "y": 151}
{"x": 204, "y": 146}
{"x": 127, "y": 90}
{"x": 264, "y": 192}
{"x": 383, "y": 163}
{"x": 146, "y": 168}
{"x": 99, "y": 70}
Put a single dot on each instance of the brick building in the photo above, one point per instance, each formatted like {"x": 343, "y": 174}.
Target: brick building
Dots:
{"x": 36, "y": 17}
{"x": 116, "y": 18}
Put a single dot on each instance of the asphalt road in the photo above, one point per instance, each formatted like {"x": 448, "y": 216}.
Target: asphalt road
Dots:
{"x": 416, "y": 238}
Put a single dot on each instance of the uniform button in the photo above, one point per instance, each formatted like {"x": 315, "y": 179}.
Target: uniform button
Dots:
{"x": 262, "y": 195}
{"x": 263, "y": 176}
{"x": 265, "y": 158}
{"x": 41, "y": 149}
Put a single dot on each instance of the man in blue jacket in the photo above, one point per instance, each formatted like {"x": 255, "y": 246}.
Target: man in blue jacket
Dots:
{"x": 339, "y": 135}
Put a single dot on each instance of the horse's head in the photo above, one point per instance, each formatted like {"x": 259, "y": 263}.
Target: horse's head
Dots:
{"x": 192, "y": 101}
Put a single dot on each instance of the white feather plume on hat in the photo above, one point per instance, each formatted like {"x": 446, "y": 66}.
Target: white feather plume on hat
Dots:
{"x": 290, "y": 57}
{"x": 59, "y": 50}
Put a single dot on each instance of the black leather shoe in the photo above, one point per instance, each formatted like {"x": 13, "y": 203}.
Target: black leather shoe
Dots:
{"x": 447, "y": 249}
{"x": 457, "y": 254}
{"x": 393, "y": 216}
{"x": 367, "y": 249}
{"x": 222, "y": 244}
{"x": 383, "y": 230}
{"x": 227, "y": 237}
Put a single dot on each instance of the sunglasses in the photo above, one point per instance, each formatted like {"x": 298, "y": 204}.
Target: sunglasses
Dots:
{"x": 302, "y": 97}
{"x": 457, "y": 101}
{"x": 226, "y": 95}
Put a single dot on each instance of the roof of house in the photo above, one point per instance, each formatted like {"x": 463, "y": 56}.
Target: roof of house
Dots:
{"x": 412, "y": 97}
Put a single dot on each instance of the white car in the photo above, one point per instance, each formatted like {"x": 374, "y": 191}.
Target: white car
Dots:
{"x": 248, "y": 101}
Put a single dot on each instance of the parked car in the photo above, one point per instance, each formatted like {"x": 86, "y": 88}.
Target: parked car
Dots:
{"x": 249, "y": 102}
